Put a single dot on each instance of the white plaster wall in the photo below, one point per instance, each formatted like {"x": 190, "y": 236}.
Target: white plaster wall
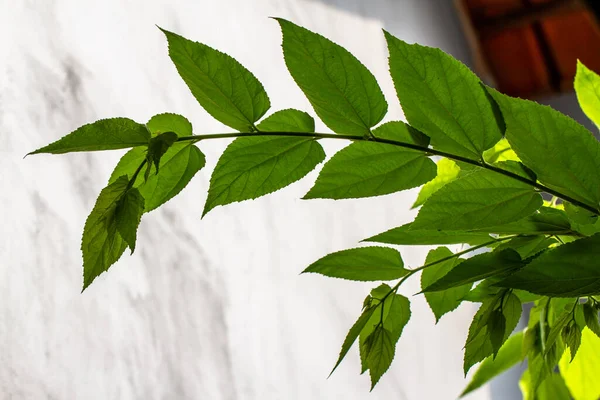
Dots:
{"x": 205, "y": 309}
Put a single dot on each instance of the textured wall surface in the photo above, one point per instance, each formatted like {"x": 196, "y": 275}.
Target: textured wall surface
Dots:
{"x": 205, "y": 309}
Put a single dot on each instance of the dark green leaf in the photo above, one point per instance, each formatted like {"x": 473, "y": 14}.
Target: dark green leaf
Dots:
{"x": 354, "y": 332}
{"x": 479, "y": 344}
{"x": 590, "y": 313}
{"x": 587, "y": 87}
{"x": 546, "y": 220}
{"x": 361, "y": 264}
{"x": 168, "y": 122}
{"x": 179, "y": 165}
{"x": 401, "y": 132}
{"x": 496, "y": 329}
{"x": 102, "y": 244}
{"x": 404, "y": 235}
{"x": 447, "y": 171}
{"x": 288, "y": 120}
{"x": 105, "y": 134}
{"x": 564, "y": 155}
{"x": 508, "y": 356}
{"x": 444, "y": 301}
{"x": 380, "y": 353}
{"x": 571, "y": 336}
{"x": 563, "y": 319}
{"x": 344, "y": 94}
{"x": 480, "y": 199}
{"x": 222, "y": 86}
{"x": 579, "y": 215}
{"x": 128, "y": 215}
{"x": 478, "y": 268}
{"x": 570, "y": 270}
{"x": 365, "y": 169}
{"x": 251, "y": 167}
{"x": 157, "y": 147}
{"x": 527, "y": 246}
{"x": 442, "y": 98}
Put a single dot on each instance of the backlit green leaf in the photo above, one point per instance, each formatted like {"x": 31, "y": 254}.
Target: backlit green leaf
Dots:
{"x": 178, "y": 166}
{"x": 105, "y": 134}
{"x": 546, "y": 220}
{"x": 157, "y": 147}
{"x": 343, "y": 92}
{"x": 563, "y": 154}
{"x": 405, "y": 235}
{"x": 251, "y": 167}
{"x": 288, "y": 120}
{"x": 500, "y": 152}
{"x": 587, "y": 87}
{"x": 128, "y": 215}
{"x": 581, "y": 375}
{"x": 222, "y": 86}
{"x": 442, "y": 98}
{"x": 527, "y": 246}
{"x": 365, "y": 169}
{"x": 447, "y": 171}
{"x": 478, "y": 268}
{"x": 590, "y": 313}
{"x": 447, "y": 300}
{"x": 401, "y": 132}
{"x": 361, "y": 264}
{"x": 508, "y": 356}
{"x": 380, "y": 353}
{"x": 169, "y": 122}
{"x": 570, "y": 270}
{"x": 480, "y": 199}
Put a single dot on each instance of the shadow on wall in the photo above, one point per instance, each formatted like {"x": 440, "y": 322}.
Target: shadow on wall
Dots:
{"x": 435, "y": 23}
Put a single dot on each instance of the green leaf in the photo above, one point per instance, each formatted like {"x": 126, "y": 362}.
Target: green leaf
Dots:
{"x": 477, "y": 268}
{"x": 546, "y": 220}
{"x": 179, "y": 165}
{"x": 365, "y": 169}
{"x": 251, "y": 167}
{"x": 128, "y": 215}
{"x": 102, "y": 244}
{"x": 442, "y": 98}
{"x": 448, "y": 300}
{"x": 169, "y": 122}
{"x": 222, "y": 86}
{"x": 480, "y": 199}
{"x": 399, "y": 131}
{"x": 380, "y": 353}
{"x": 587, "y": 87}
{"x": 581, "y": 375}
{"x": 528, "y": 246}
{"x": 552, "y": 388}
{"x": 556, "y": 328}
{"x": 570, "y": 270}
{"x": 405, "y": 235}
{"x": 447, "y": 171}
{"x": 343, "y": 92}
{"x": 500, "y": 152}
{"x": 508, "y": 356}
{"x": 496, "y": 330}
{"x": 157, "y": 147}
{"x": 361, "y": 264}
{"x": 105, "y": 134}
{"x": 288, "y": 120}
{"x": 479, "y": 344}
{"x": 579, "y": 215}
{"x": 590, "y": 314}
{"x": 563, "y": 154}
{"x": 354, "y": 332}
{"x": 571, "y": 336}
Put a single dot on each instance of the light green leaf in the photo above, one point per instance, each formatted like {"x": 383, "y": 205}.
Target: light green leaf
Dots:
{"x": 365, "y": 169}
{"x": 179, "y": 165}
{"x": 552, "y": 388}
{"x": 442, "y": 98}
{"x": 480, "y": 199}
{"x": 288, "y": 120}
{"x": 343, "y": 92}
{"x": 169, "y": 122}
{"x": 405, "y": 235}
{"x": 587, "y": 87}
{"x": 477, "y": 268}
{"x": 105, "y": 134}
{"x": 157, "y": 147}
{"x": 508, "y": 356}
{"x": 570, "y": 270}
{"x": 500, "y": 152}
{"x": 561, "y": 321}
{"x": 102, "y": 244}
{"x": 579, "y": 215}
{"x": 354, "y": 332}
{"x": 222, "y": 86}
{"x": 444, "y": 301}
{"x": 479, "y": 345}
{"x": 563, "y": 154}
{"x": 447, "y": 171}
{"x": 581, "y": 375}
{"x": 251, "y": 167}
{"x": 128, "y": 215}
{"x": 361, "y": 264}
{"x": 546, "y": 220}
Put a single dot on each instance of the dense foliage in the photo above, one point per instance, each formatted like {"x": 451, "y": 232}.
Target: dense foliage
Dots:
{"x": 495, "y": 157}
